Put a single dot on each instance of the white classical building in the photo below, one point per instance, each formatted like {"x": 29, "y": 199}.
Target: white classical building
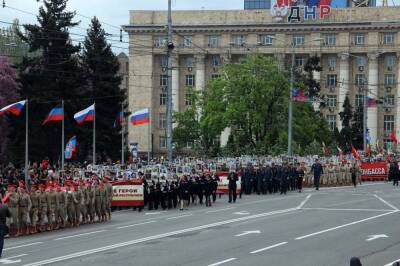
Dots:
{"x": 359, "y": 49}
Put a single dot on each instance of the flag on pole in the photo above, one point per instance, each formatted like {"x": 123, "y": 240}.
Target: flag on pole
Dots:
{"x": 85, "y": 115}
{"x": 355, "y": 153}
{"x": 70, "y": 148}
{"x": 393, "y": 137}
{"x": 119, "y": 120}
{"x": 298, "y": 95}
{"x": 325, "y": 149}
{"x": 372, "y": 102}
{"x": 56, "y": 114}
{"x": 140, "y": 117}
{"x": 14, "y": 108}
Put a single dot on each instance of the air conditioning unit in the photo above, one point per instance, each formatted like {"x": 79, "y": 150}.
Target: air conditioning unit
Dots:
{"x": 331, "y": 89}
{"x": 389, "y": 68}
{"x": 164, "y": 69}
{"x": 190, "y": 69}
{"x": 387, "y": 110}
{"x": 331, "y": 109}
{"x": 361, "y": 68}
{"x": 331, "y": 69}
{"x": 388, "y": 89}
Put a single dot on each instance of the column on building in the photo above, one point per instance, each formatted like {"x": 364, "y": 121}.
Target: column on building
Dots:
{"x": 175, "y": 83}
{"x": 200, "y": 77}
{"x": 397, "y": 95}
{"x": 372, "y": 113}
{"x": 343, "y": 82}
{"x": 317, "y": 77}
{"x": 224, "y": 137}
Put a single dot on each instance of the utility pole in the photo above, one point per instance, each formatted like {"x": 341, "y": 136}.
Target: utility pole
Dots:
{"x": 365, "y": 118}
{"x": 170, "y": 47}
{"x": 290, "y": 119}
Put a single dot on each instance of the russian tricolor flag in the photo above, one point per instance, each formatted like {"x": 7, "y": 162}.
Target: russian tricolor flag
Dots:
{"x": 70, "y": 148}
{"x": 85, "y": 115}
{"x": 140, "y": 117}
{"x": 14, "y": 108}
{"x": 56, "y": 114}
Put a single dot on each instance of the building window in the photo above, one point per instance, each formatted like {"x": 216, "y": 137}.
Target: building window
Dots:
{"x": 190, "y": 61}
{"x": 390, "y": 79}
{"x": 163, "y": 121}
{"x": 216, "y": 61}
{"x": 299, "y": 61}
{"x": 332, "y": 80}
{"x": 360, "y": 79}
{"x": 298, "y": 40}
{"x": 359, "y": 100}
{"x": 190, "y": 80}
{"x": 215, "y": 76}
{"x": 163, "y": 61}
{"x": 163, "y": 142}
{"x": 388, "y": 123}
{"x": 390, "y": 61}
{"x": 213, "y": 41}
{"x": 390, "y": 99}
{"x": 330, "y": 39}
{"x": 189, "y": 145}
{"x": 331, "y": 119}
{"x": 266, "y": 40}
{"x": 388, "y": 38}
{"x": 160, "y": 41}
{"x": 163, "y": 80}
{"x": 163, "y": 96}
{"x": 359, "y": 38}
{"x": 331, "y": 100}
{"x": 332, "y": 62}
{"x": 238, "y": 40}
{"x": 361, "y": 61}
{"x": 187, "y": 41}
{"x": 188, "y": 99}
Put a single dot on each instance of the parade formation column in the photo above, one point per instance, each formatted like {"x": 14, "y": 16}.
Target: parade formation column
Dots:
{"x": 175, "y": 83}
{"x": 343, "y": 82}
{"x": 372, "y": 113}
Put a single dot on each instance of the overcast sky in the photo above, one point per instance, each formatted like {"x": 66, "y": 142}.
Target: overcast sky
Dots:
{"x": 114, "y": 12}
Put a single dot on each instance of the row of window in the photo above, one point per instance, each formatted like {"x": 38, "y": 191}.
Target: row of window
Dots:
{"x": 360, "y": 80}
{"x": 163, "y": 143}
{"x": 331, "y": 100}
{"x": 388, "y": 122}
{"x": 164, "y": 97}
{"x": 190, "y": 61}
{"x": 387, "y": 38}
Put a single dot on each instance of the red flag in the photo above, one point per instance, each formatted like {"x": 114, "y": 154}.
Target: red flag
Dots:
{"x": 355, "y": 153}
{"x": 393, "y": 137}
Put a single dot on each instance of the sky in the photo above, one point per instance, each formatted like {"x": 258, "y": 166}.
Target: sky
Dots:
{"x": 112, "y": 12}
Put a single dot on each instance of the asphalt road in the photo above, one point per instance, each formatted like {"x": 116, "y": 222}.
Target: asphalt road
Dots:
{"x": 325, "y": 227}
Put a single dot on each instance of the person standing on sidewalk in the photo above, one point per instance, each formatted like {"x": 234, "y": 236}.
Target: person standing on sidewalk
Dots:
{"x": 4, "y": 213}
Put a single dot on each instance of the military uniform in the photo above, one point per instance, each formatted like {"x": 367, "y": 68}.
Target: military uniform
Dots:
{"x": 90, "y": 203}
{"x": 35, "y": 194}
{"x": 85, "y": 199}
{"x": 78, "y": 202}
{"x": 109, "y": 189}
{"x": 52, "y": 208}
{"x": 60, "y": 214}
{"x": 25, "y": 205}
{"x": 43, "y": 209}
{"x": 70, "y": 207}
{"x": 12, "y": 203}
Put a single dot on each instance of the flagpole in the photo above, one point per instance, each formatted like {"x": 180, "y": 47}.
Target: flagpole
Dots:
{"x": 62, "y": 137}
{"x": 94, "y": 135}
{"x": 26, "y": 145}
{"x": 122, "y": 135}
{"x": 149, "y": 138}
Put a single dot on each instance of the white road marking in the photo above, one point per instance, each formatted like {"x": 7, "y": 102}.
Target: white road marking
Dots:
{"x": 16, "y": 256}
{"x": 373, "y": 237}
{"x": 8, "y": 261}
{"x": 267, "y": 248}
{"x": 132, "y": 225}
{"x": 220, "y": 210}
{"x": 222, "y": 262}
{"x": 249, "y": 232}
{"x": 304, "y": 202}
{"x": 242, "y": 213}
{"x": 391, "y": 263}
{"x": 335, "y": 209}
{"x": 21, "y": 246}
{"x": 78, "y": 235}
{"x": 344, "y": 225}
{"x": 387, "y": 203}
{"x": 154, "y": 213}
{"x": 159, "y": 236}
{"x": 178, "y": 217}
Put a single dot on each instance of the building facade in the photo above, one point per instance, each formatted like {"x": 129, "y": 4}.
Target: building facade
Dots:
{"x": 359, "y": 50}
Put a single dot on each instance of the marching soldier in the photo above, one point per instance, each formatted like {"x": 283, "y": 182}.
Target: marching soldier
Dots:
{"x": 317, "y": 170}
{"x": 43, "y": 208}
{"x": 109, "y": 189}
{"x": 70, "y": 205}
{"x": 78, "y": 202}
{"x": 12, "y": 203}
{"x": 61, "y": 198}
{"x": 232, "y": 178}
{"x": 25, "y": 206}
{"x": 35, "y": 194}
{"x": 84, "y": 202}
{"x": 91, "y": 202}
{"x": 52, "y": 207}
{"x": 209, "y": 187}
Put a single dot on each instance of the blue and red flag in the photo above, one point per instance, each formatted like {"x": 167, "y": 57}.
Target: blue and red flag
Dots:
{"x": 140, "y": 117}
{"x": 70, "y": 148}
{"x": 119, "y": 120}
{"x": 372, "y": 102}
{"x": 56, "y": 114}
{"x": 298, "y": 96}
{"x": 85, "y": 115}
{"x": 15, "y": 108}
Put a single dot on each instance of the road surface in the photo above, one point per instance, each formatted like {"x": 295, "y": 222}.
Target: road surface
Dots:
{"x": 325, "y": 227}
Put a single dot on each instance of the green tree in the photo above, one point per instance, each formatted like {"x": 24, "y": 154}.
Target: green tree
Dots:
{"x": 101, "y": 72}
{"x": 346, "y": 116}
{"x": 251, "y": 98}
{"x": 53, "y": 74}
{"x": 357, "y": 128}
